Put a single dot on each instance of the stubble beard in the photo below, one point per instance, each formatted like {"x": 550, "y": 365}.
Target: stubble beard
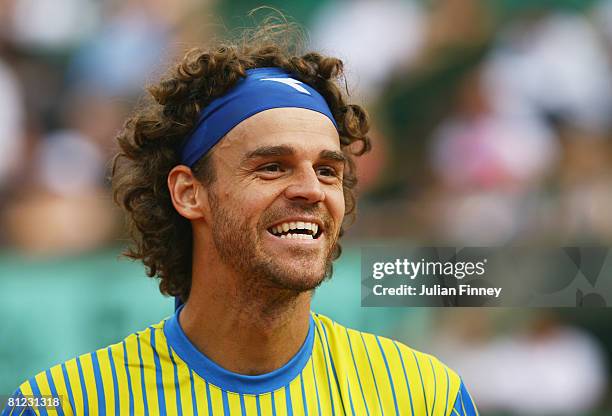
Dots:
{"x": 241, "y": 248}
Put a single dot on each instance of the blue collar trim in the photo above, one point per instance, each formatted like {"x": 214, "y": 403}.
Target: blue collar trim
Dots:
{"x": 227, "y": 380}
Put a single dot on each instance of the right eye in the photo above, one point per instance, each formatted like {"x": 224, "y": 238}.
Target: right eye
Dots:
{"x": 270, "y": 170}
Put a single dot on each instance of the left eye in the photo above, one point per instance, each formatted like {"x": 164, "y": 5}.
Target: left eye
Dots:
{"x": 326, "y": 171}
{"x": 271, "y": 168}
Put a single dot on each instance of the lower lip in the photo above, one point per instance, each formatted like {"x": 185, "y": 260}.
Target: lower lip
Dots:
{"x": 294, "y": 241}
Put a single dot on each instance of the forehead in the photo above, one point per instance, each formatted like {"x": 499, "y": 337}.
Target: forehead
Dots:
{"x": 302, "y": 129}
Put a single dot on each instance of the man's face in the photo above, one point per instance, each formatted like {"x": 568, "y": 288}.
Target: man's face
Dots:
{"x": 277, "y": 202}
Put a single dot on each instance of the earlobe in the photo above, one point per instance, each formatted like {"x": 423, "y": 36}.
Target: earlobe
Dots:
{"x": 185, "y": 190}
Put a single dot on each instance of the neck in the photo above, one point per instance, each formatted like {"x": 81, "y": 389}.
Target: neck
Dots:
{"x": 243, "y": 325}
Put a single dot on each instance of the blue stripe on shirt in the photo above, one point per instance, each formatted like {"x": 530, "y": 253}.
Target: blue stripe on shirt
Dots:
{"x": 99, "y": 385}
{"x": 225, "y": 400}
{"x": 257, "y": 405}
{"x": 177, "y": 388}
{"x": 142, "y": 377}
{"x": 433, "y": 407}
{"x": 314, "y": 377}
{"x": 193, "y": 394}
{"x": 209, "y": 398}
{"x": 36, "y": 393}
{"x": 83, "y": 388}
{"x": 304, "y": 403}
{"x": 372, "y": 370}
{"x": 388, "y": 374}
{"x": 331, "y": 361}
{"x": 161, "y": 397}
{"x": 447, "y": 390}
{"x": 331, "y": 393}
{"x": 129, "y": 378}
{"x": 242, "y": 405}
{"x": 422, "y": 383}
{"x": 53, "y": 390}
{"x": 357, "y": 372}
{"x": 69, "y": 388}
{"x": 405, "y": 377}
{"x": 350, "y": 397}
{"x": 115, "y": 383}
{"x": 288, "y": 401}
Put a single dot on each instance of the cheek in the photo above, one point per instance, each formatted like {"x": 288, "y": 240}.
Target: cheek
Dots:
{"x": 249, "y": 202}
{"x": 336, "y": 205}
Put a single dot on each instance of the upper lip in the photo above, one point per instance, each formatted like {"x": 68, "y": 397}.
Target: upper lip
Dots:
{"x": 302, "y": 219}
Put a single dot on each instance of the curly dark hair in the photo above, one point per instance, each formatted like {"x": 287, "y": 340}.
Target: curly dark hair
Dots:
{"x": 151, "y": 137}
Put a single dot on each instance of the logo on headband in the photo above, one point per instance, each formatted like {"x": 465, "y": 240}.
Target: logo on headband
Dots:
{"x": 293, "y": 83}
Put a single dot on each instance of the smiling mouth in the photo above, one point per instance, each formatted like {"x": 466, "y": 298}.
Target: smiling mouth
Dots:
{"x": 297, "y": 230}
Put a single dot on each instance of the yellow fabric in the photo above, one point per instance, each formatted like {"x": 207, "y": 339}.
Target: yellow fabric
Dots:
{"x": 348, "y": 372}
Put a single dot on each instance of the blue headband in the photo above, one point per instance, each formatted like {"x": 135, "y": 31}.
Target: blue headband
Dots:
{"x": 262, "y": 89}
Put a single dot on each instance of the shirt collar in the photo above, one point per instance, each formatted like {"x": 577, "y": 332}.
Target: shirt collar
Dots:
{"x": 230, "y": 381}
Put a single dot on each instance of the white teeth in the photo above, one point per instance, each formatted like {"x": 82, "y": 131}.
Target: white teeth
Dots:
{"x": 296, "y": 225}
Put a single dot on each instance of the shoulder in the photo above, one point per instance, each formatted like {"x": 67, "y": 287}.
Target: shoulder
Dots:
{"x": 363, "y": 344}
{"x": 82, "y": 382}
{"x": 424, "y": 375}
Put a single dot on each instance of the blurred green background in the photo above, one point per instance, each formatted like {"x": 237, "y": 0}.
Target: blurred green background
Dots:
{"x": 492, "y": 125}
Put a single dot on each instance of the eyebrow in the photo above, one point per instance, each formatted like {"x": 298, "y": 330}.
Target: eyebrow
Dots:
{"x": 332, "y": 155}
{"x": 266, "y": 151}
{"x": 284, "y": 150}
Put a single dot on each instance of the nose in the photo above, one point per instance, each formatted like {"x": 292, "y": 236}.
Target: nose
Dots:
{"x": 305, "y": 187}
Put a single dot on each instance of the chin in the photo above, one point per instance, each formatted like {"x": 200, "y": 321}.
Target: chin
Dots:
{"x": 297, "y": 277}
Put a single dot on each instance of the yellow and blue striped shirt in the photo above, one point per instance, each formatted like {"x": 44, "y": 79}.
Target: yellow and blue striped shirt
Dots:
{"x": 337, "y": 371}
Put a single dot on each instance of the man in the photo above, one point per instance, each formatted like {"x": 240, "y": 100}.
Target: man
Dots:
{"x": 236, "y": 182}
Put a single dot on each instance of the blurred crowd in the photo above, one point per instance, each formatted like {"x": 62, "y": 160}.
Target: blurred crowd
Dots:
{"x": 70, "y": 72}
{"x": 491, "y": 119}
{"x": 492, "y": 124}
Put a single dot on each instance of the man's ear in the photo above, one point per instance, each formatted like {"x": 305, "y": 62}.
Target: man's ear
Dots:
{"x": 187, "y": 193}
